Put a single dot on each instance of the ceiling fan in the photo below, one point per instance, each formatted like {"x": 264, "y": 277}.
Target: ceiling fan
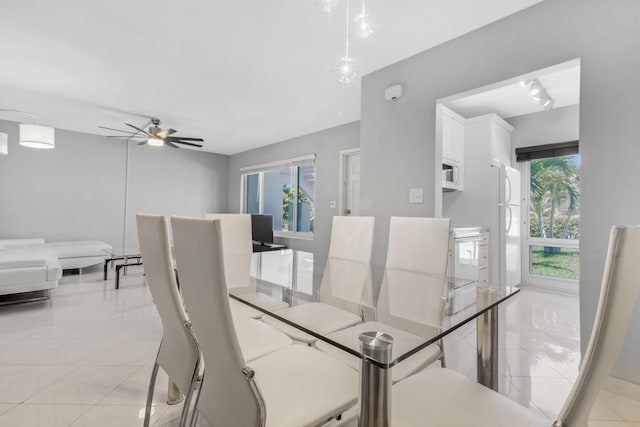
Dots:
{"x": 156, "y": 136}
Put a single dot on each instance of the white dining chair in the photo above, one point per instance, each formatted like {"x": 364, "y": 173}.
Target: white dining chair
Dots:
{"x": 346, "y": 290}
{"x": 238, "y": 248}
{"x": 412, "y": 297}
{"x": 444, "y": 397}
{"x": 178, "y": 355}
{"x": 296, "y": 386}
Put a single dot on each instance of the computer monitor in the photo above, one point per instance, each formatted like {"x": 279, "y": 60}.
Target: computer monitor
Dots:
{"x": 262, "y": 228}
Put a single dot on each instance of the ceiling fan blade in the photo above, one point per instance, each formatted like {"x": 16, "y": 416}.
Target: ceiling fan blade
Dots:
{"x": 165, "y": 133}
{"x": 171, "y": 144}
{"x": 125, "y": 136}
{"x": 138, "y": 129}
{"x": 117, "y": 130}
{"x": 185, "y": 143}
{"x": 180, "y": 138}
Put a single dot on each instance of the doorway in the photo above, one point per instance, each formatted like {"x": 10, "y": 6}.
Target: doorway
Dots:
{"x": 494, "y": 121}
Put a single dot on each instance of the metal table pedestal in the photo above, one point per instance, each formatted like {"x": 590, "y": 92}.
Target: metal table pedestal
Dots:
{"x": 375, "y": 382}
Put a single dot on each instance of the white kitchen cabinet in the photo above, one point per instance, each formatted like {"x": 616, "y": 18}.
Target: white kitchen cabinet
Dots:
{"x": 493, "y": 135}
{"x": 452, "y": 136}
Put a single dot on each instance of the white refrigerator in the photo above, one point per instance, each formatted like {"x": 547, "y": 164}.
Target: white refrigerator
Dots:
{"x": 506, "y": 227}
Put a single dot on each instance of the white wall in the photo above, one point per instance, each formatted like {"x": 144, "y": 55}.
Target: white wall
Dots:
{"x": 77, "y": 190}
{"x": 546, "y": 127}
{"x": 398, "y": 139}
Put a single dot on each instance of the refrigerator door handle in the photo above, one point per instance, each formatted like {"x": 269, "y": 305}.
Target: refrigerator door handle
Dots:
{"x": 510, "y": 218}
{"x": 508, "y": 199}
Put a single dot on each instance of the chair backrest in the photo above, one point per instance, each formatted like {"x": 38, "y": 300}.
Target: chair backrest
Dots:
{"x": 226, "y": 397}
{"x": 238, "y": 247}
{"x": 414, "y": 281}
{"x": 618, "y": 297}
{"x": 347, "y": 280}
{"x": 178, "y": 351}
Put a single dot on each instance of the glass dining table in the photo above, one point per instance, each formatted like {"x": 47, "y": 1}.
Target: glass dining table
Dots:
{"x": 288, "y": 276}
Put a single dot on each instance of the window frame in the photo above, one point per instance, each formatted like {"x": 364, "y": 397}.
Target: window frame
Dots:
{"x": 556, "y": 284}
{"x": 294, "y": 164}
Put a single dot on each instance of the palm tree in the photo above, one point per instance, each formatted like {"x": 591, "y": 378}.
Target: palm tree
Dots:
{"x": 553, "y": 182}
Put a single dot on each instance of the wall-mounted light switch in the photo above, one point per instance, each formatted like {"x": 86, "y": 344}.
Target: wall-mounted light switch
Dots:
{"x": 416, "y": 195}
{"x": 332, "y": 204}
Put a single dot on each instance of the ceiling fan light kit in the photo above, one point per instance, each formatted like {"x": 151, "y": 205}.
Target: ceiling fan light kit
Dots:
{"x": 155, "y": 141}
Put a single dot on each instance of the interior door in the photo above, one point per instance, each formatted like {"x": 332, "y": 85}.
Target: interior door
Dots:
{"x": 351, "y": 184}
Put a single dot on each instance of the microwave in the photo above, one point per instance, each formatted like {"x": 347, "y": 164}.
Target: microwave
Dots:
{"x": 450, "y": 176}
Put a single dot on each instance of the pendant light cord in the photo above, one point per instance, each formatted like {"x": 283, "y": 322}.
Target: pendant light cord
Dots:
{"x": 346, "y": 52}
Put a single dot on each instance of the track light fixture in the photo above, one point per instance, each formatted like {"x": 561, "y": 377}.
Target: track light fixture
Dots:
{"x": 539, "y": 93}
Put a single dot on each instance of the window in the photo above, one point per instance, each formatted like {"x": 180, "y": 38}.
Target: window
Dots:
{"x": 554, "y": 222}
{"x": 285, "y": 190}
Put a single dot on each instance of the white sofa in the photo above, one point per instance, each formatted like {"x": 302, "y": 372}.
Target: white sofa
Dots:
{"x": 80, "y": 253}
{"x": 26, "y": 266}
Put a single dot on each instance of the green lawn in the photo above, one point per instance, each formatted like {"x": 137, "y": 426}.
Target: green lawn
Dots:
{"x": 565, "y": 265}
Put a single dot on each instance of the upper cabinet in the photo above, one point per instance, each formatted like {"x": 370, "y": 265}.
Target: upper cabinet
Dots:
{"x": 492, "y": 135}
{"x": 452, "y": 136}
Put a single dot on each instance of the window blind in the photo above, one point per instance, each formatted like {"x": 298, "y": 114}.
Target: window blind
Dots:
{"x": 546, "y": 151}
{"x": 309, "y": 159}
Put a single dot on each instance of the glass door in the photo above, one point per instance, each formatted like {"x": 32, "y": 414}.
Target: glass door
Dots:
{"x": 551, "y": 252}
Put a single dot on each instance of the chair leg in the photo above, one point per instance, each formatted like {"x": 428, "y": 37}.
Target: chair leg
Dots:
{"x": 152, "y": 385}
{"x": 189, "y": 395}
{"x": 443, "y": 360}
{"x": 194, "y": 416}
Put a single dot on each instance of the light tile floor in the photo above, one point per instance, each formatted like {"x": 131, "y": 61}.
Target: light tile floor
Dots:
{"x": 84, "y": 358}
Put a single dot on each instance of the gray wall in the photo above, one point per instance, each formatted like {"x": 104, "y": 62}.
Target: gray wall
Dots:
{"x": 397, "y": 138}
{"x": 174, "y": 182}
{"x": 73, "y": 192}
{"x": 326, "y": 145}
{"x": 545, "y": 127}
{"x": 77, "y": 190}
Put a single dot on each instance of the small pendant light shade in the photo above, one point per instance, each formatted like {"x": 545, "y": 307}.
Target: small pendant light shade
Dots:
{"x": 4, "y": 144}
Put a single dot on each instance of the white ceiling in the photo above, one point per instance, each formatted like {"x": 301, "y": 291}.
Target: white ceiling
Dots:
{"x": 511, "y": 99}
{"x": 241, "y": 74}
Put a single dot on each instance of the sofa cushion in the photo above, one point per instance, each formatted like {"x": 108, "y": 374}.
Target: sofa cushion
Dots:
{"x": 79, "y": 249}
{"x": 20, "y": 243}
{"x": 22, "y": 258}
{"x": 26, "y": 270}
